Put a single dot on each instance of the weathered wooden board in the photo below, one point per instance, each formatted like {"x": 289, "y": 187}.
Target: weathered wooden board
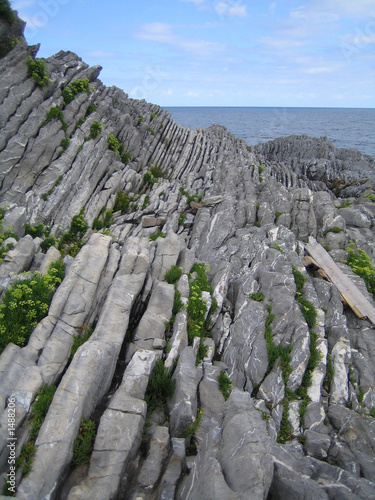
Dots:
{"x": 354, "y": 298}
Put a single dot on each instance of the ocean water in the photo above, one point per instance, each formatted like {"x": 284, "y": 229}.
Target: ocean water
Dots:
{"x": 344, "y": 127}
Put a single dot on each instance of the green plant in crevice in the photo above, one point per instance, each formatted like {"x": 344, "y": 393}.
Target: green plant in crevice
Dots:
{"x": 371, "y": 197}
{"x": 74, "y": 88}
{"x": 260, "y": 169}
{"x": 158, "y": 234}
{"x": 58, "y": 181}
{"x": 274, "y": 351}
{"x": 257, "y": 296}
{"x": 225, "y": 384}
{"x": 145, "y": 202}
{"x": 190, "y": 198}
{"x": 55, "y": 113}
{"x": 285, "y": 432}
{"x": 38, "y": 413}
{"x": 307, "y": 309}
{"x": 196, "y": 308}
{"x": 330, "y": 372}
{"x": 202, "y": 352}
{"x": 80, "y": 340}
{"x": 334, "y": 229}
{"x": 345, "y": 204}
{"x": 181, "y": 219}
{"x": 71, "y": 241}
{"x": 84, "y": 442}
{"x": 362, "y": 265}
{"x": 95, "y": 129}
{"x": 37, "y": 70}
{"x": 173, "y": 275}
{"x": 122, "y": 202}
{"x": 26, "y": 303}
{"x": 160, "y": 387}
{"x": 191, "y": 429}
{"x": 140, "y": 120}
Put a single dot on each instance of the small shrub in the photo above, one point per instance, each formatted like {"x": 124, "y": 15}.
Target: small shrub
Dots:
{"x": 37, "y": 231}
{"x": 158, "y": 234}
{"x": 48, "y": 242}
{"x": 260, "y": 178}
{"x": 37, "y": 70}
{"x": 84, "y": 442}
{"x": 258, "y": 296}
{"x": 362, "y": 265}
{"x": 285, "y": 430}
{"x": 160, "y": 387}
{"x": 191, "y": 429}
{"x": 78, "y": 341}
{"x": 40, "y": 408}
{"x": 371, "y": 197}
{"x": 26, "y": 458}
{"x": 152, "y": 116}
{"x": 152, "y": 132}
{"x": 78, "y": 225}
{"x": 95, "y": 129}
{"x": 55, "y": 114}
{"x": 6, "y": 12}
{"x": 173, "y": 275}
{"x": 122, "y": 202}
{"x": 260, "y": 169}
{"x": 145, "y": 202}
{"x": 157, "y": 172}
{"x": 225, "y": 384}
{"x": 277, "y": 214}
{"x": 201, "y": 353}
{"x": 126, "y": 158}
{"x": 75, "y": 88}
{"x": 345, "y": 204}
{"x": 97, "y": 224}
{"x": 334, "y": 229}
{"x": 177, "y": 303}
{"x": 91, "y": 109}
{"x": 181, "y": 219}
{"x": 113, "y": 143}
{"x": 65, "y": 143}
{"x": 140, "y": 120}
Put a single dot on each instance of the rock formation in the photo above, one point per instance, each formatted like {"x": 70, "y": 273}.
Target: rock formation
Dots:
{"x": 242, "y": 377}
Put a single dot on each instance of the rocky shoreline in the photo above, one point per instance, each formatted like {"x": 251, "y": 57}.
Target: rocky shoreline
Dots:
{"x": 212, "y": 363}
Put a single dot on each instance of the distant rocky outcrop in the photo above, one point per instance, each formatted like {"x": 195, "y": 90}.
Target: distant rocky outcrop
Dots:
{"x": 187, "y": 341}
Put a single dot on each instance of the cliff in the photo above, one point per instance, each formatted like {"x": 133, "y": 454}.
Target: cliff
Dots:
{"x": 213, "y": 363}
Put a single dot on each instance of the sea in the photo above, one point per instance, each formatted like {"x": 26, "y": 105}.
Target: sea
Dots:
{"x": 344, "y": 127}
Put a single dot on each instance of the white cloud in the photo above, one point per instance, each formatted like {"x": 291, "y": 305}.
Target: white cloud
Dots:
{"x": 279, "y": 44}
{"x": 231, "y": 9}
{"x": 197, "y": 2}
{"x": 160, "y": 32}
{"x": 101, "y": 54}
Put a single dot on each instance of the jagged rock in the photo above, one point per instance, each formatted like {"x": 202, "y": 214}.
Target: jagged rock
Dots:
{"x": 183, "y": 404}
{"x": 153, "y": 221}
{"x": 19, "y": 259}
{"x": 174, "y": 469}
{"x": 157, "y": 455}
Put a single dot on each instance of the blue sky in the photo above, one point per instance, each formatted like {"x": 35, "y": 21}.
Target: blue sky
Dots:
{"x": 218, "y": 52}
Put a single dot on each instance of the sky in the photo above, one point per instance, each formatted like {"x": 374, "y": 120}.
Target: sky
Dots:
{"x": 312, "y": 53}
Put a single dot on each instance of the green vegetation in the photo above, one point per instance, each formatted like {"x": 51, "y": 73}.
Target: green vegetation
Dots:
{"x": 198, "y": 326}
{"x": 371, "y": 197}
{"x": 260, "y": 169}
{"x": 181, "y": 219}
{"x": 37, "y": 70}
{"x": 152, "y": 116}
{"x": 276, "y": 351}
{"x": 145, "y": 202}
{"x": 277, "y": 247}
{"x": 201, "y": 352}
{"x": 26, "y": 303}
{"x": 140, "y": 120}
{"x": 334, "y": 229}
{"x": 115, "y": 145}
{"x": 225, "y": 384}
{"x": 55, "y": 114}
{"x": 190, "y": 198}
{"x": 191, "y": 429}
{"x": 285, "y": 430}
{"x": 345, "y": 204}
{"x": 329, "y": 374}
{"x": 362, "y": 265}
{"x": 40, "y": 408}
{"x": 26, "y": 457}
{"x": 84, "y": 442}
{"x": 277, "y": 214}
{"x": 65, "y": 143}
{"x": 78, "y": 341}
{"x": 307, "y": 309}
{"x": 258, "y": 296}
{"x": 70, "y": 242}
{"x": 45, "y": 196}
{"x": 122, "y": 202}
{"x": 95, "y": 130}
{"x": 6, "y": 12}
{"x": 74, "y": 88}
{"x": 152, "y": 132}
{"x": 158, "y": 234}
{"x": 38, "y": 414}
{"x": 177, "y": 303}
{"x": 173, "y": 275}
{"x": 160, "y": 387}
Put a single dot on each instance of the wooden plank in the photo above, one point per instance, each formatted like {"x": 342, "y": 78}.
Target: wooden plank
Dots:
{"x": 355, "y": 299}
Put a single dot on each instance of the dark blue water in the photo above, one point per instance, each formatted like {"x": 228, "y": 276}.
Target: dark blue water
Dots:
{"x": 344, "y": 127}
